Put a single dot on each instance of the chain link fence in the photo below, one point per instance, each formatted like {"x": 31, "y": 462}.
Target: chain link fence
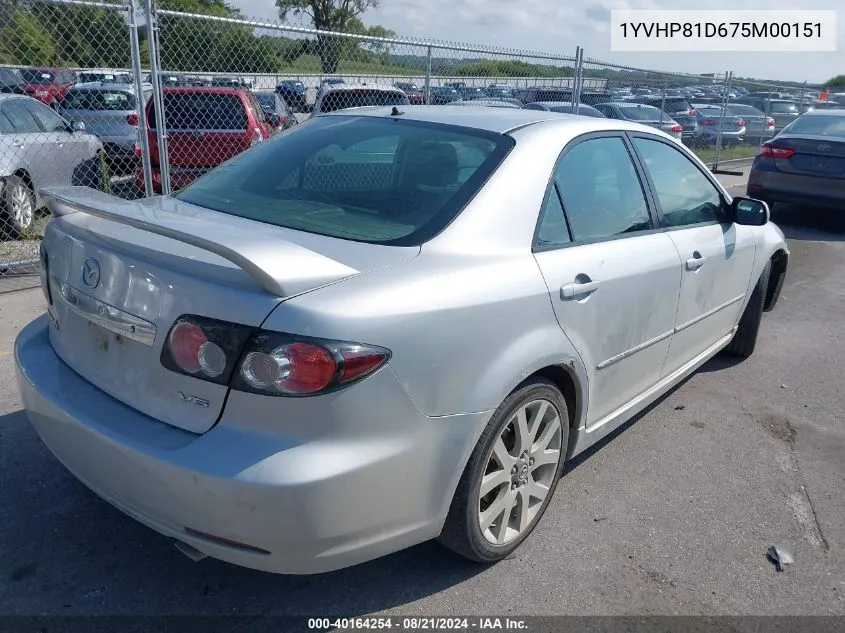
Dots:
{"x": 140, "y": 101}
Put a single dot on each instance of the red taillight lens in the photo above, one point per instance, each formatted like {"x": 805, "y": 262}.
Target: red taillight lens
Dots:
{"x": 185, "y": 342}
{"x": 132, "y": 119}
{"x": 706, "y": 122}
{"x": 294, "y": 369}
{"x": 360, "y": 361}
{"x": 770, "y": 122}
{"x": 677, "y": 129}
{"x": 740, "y": 123}
{"x": 692, "y": 112}
{"x": 770, "y": 151}
{"x": 204, "y": 348}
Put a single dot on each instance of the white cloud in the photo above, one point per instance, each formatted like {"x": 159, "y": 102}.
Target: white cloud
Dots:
{"x": 556, "y": 26}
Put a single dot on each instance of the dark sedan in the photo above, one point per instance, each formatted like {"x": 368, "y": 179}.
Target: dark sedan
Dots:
{"x": 805, "y": 163}
{"x": 294, "y": 93}
{"x": 276, "y": 111}
{"x": 441, "y": 95}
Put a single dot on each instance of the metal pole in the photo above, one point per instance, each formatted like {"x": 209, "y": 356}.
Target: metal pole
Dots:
{"x": 143, "y": 138}
{"x": 576, "y": 80}
{"x": 728, "y": 79}
{"x": 662, "y": 101}
{"x": 428, "y": 78}
{"x": 161, "y": 129}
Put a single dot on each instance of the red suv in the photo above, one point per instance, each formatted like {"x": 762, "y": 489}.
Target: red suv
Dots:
{"x": 205, "y": 127}
{"x": 48, "y": 85}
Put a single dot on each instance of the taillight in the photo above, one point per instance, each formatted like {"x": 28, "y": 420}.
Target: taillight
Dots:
{"x": 132, "y": 118}
{"x": 677, "y": 129}
{"x": 41, "y": 94}
{"x": 770, "y": 122}
{"x": 706, "y": 122}
{"x": 770, "y": 151}
{"x": 740, "y": 123}
{"x": 268, "y": 363}
{"x": 692, "y": 112}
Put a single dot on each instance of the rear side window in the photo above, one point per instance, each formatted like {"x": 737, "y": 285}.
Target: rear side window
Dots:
{"x": 365, "y": 179}
{"x": 341, "y": 99}
{"x": 49, "y": 120}
{"x": 818, "y": 125}
{"x": 202, "y": 111}
{"x": 19, "y": 116}
{"x": 99, "y": 100}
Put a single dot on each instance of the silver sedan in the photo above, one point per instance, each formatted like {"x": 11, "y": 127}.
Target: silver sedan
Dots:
{"x": 384, "y": 326}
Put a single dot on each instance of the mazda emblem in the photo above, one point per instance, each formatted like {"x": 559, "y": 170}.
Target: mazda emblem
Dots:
{"x": 91, "y": 272}
{"x": 824, "y": 147}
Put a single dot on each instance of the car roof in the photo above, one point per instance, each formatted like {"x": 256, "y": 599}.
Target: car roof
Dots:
{"x": 219, "y": 90}
{"x": 823, "y": 112}
{"x": 97, "y": 85}
{"x": 349, "y": 87}
{"x": 6, "y": 96}
{"x": 499, "y": 120}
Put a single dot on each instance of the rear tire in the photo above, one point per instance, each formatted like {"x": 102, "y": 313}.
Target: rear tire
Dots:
{"x": 515, "y": 468}
{"x": 745, "y": 339}
{"x": 18, "y": 207}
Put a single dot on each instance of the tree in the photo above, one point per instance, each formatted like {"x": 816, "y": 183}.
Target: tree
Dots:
{"x": 837, "y": 82}
{"x": 24, "y": 41}
{"x": 339, "y": 16}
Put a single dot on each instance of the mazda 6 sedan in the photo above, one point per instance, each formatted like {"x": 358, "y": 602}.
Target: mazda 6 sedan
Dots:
{"x": 387, "y": 325}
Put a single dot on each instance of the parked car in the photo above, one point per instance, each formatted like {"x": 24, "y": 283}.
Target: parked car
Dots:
{"x": 758, "y": 126}
{"x": 104, "y": 77}
{"x": 413, "y": 92}
{"x": 543, "y": 93}
{"x": 11, "y": 81}
{"x": 330, "y": 82}
{"x": 441, "y": 95}
{"x": 804, "y": 163}
{"x": 643, "y": 114}
{"x": 298, "y": 408}
{"x": 676, "y": 107}
{"x": 565, "y": 108}
{"x": 278, "y": 114}
{"x": 47, "y": 84}
{"x": 469, "y": 93}
{"x": 344, "y": 96}
{"x": 205, "y": 127}
{"x": 38, "y": 148}
{"x": 710, "y": 121}
{"x": 109, "y": 111}
{"x": 230, "y": 82}
{"x": 782, "y": 111}
{"x": 498, "y": 91}
{"x": 294, "y": 93}
{"x": 490, "y": 103}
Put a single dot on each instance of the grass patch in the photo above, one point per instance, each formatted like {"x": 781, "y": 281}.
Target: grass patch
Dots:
{"x": 708, "y": 154}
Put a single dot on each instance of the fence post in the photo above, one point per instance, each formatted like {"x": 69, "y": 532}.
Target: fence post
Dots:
{"x": 161, "y": 129}
{"x": 428, "y": 77}
{"x": 663, "y": 101}
{"x": 143, "y": 138}
{"x": 725, "y": 98}
{"x": 576, "y": 80}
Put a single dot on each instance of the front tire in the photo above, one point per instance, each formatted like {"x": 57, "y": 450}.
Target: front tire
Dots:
{"x": 19, "y": 207}
{"x": 745, "y": 339}
{"x": 511, "y": 475}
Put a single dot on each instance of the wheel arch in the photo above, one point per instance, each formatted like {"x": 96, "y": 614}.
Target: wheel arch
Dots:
{"x": 780, "y": 264}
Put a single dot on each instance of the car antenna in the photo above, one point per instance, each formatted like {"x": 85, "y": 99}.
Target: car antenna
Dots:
{"x": 396, "y": 112}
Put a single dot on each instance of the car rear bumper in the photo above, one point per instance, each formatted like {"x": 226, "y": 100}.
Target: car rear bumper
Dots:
{"x": 282, "y": 504}
{"x": 777, "y": 186}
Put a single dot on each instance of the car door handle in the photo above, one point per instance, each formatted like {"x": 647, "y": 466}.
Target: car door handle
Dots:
{"x": 577, "y": 289}
{"x": 60, "y": 143}
{"x": 696, "y": 261}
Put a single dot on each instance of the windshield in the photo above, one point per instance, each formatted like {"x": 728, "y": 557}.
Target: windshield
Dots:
{"x": 818, "y": 125}
{"x": 643, "y": 113}
{"x": 367, "y": 179}
{"x": 99, "y": 100}
{"x": 38, "y": 76}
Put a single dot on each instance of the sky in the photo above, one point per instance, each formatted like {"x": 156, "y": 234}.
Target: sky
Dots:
{"x": 558, "y": 26}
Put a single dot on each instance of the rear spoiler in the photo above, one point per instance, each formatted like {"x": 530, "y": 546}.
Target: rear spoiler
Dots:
{"x": 279, "y": 266}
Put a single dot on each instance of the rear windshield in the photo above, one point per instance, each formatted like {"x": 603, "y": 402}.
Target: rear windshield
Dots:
{"x": 784, "y": 107}
{"x": 673, "y": 104}
{"x": 554, "y": 95}
{"x": 9, "y": 76}
{"x": 367, "y": 179}
{"x": 38, "y": 76}
{"x": 202, "y": 111}
{"x": 642, "y": 113}
{"x": 745, "y": 110}
{"x": 818, "y": 125}
{"x": 342, "y": 99}
{"x": 266, "y": 99}
{"x": 102, "y": 100}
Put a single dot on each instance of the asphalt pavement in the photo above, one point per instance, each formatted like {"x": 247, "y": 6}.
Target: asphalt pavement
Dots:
{"x": 671, "y": 515}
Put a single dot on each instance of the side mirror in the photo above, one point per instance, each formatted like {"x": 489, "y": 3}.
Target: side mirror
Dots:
{"x": 77, "y": 126}
{"x": 750, "y": 212}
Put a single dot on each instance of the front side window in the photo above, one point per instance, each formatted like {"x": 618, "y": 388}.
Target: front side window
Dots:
{"x": 602, "y": 194}
{"x": 685, "y": 194}
{"x": 368, "y": 179}
{"x": 19, "y": 116}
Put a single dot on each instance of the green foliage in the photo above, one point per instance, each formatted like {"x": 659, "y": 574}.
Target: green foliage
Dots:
{"x": 837, "y": 82}
{"x": 24, "y": 41}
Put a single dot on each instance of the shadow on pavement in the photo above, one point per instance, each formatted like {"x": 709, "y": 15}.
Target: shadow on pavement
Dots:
{"x": 66, "y": 552}
{"x": 810, "y": 223}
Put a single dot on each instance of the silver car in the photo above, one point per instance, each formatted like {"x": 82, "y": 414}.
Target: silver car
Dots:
{"x": 38, "y": 148}
{"x": 111, "y": 111}
{"x": 310, "y": 358}
{"x": 643, "y": 114}
{"x": 715, "y": 122}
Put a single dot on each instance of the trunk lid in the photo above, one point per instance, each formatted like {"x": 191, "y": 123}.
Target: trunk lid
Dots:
{"x": 121, "y": 272}
{"x": 814, "y": 155}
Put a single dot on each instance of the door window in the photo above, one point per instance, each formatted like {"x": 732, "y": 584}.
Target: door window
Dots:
{"x": 49, "y": 120}
{"x": 602, "y": 194}
{"x": 685, "y": 194}
{"x": 553, "y": 230}
{"x": 19, "y": 116}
